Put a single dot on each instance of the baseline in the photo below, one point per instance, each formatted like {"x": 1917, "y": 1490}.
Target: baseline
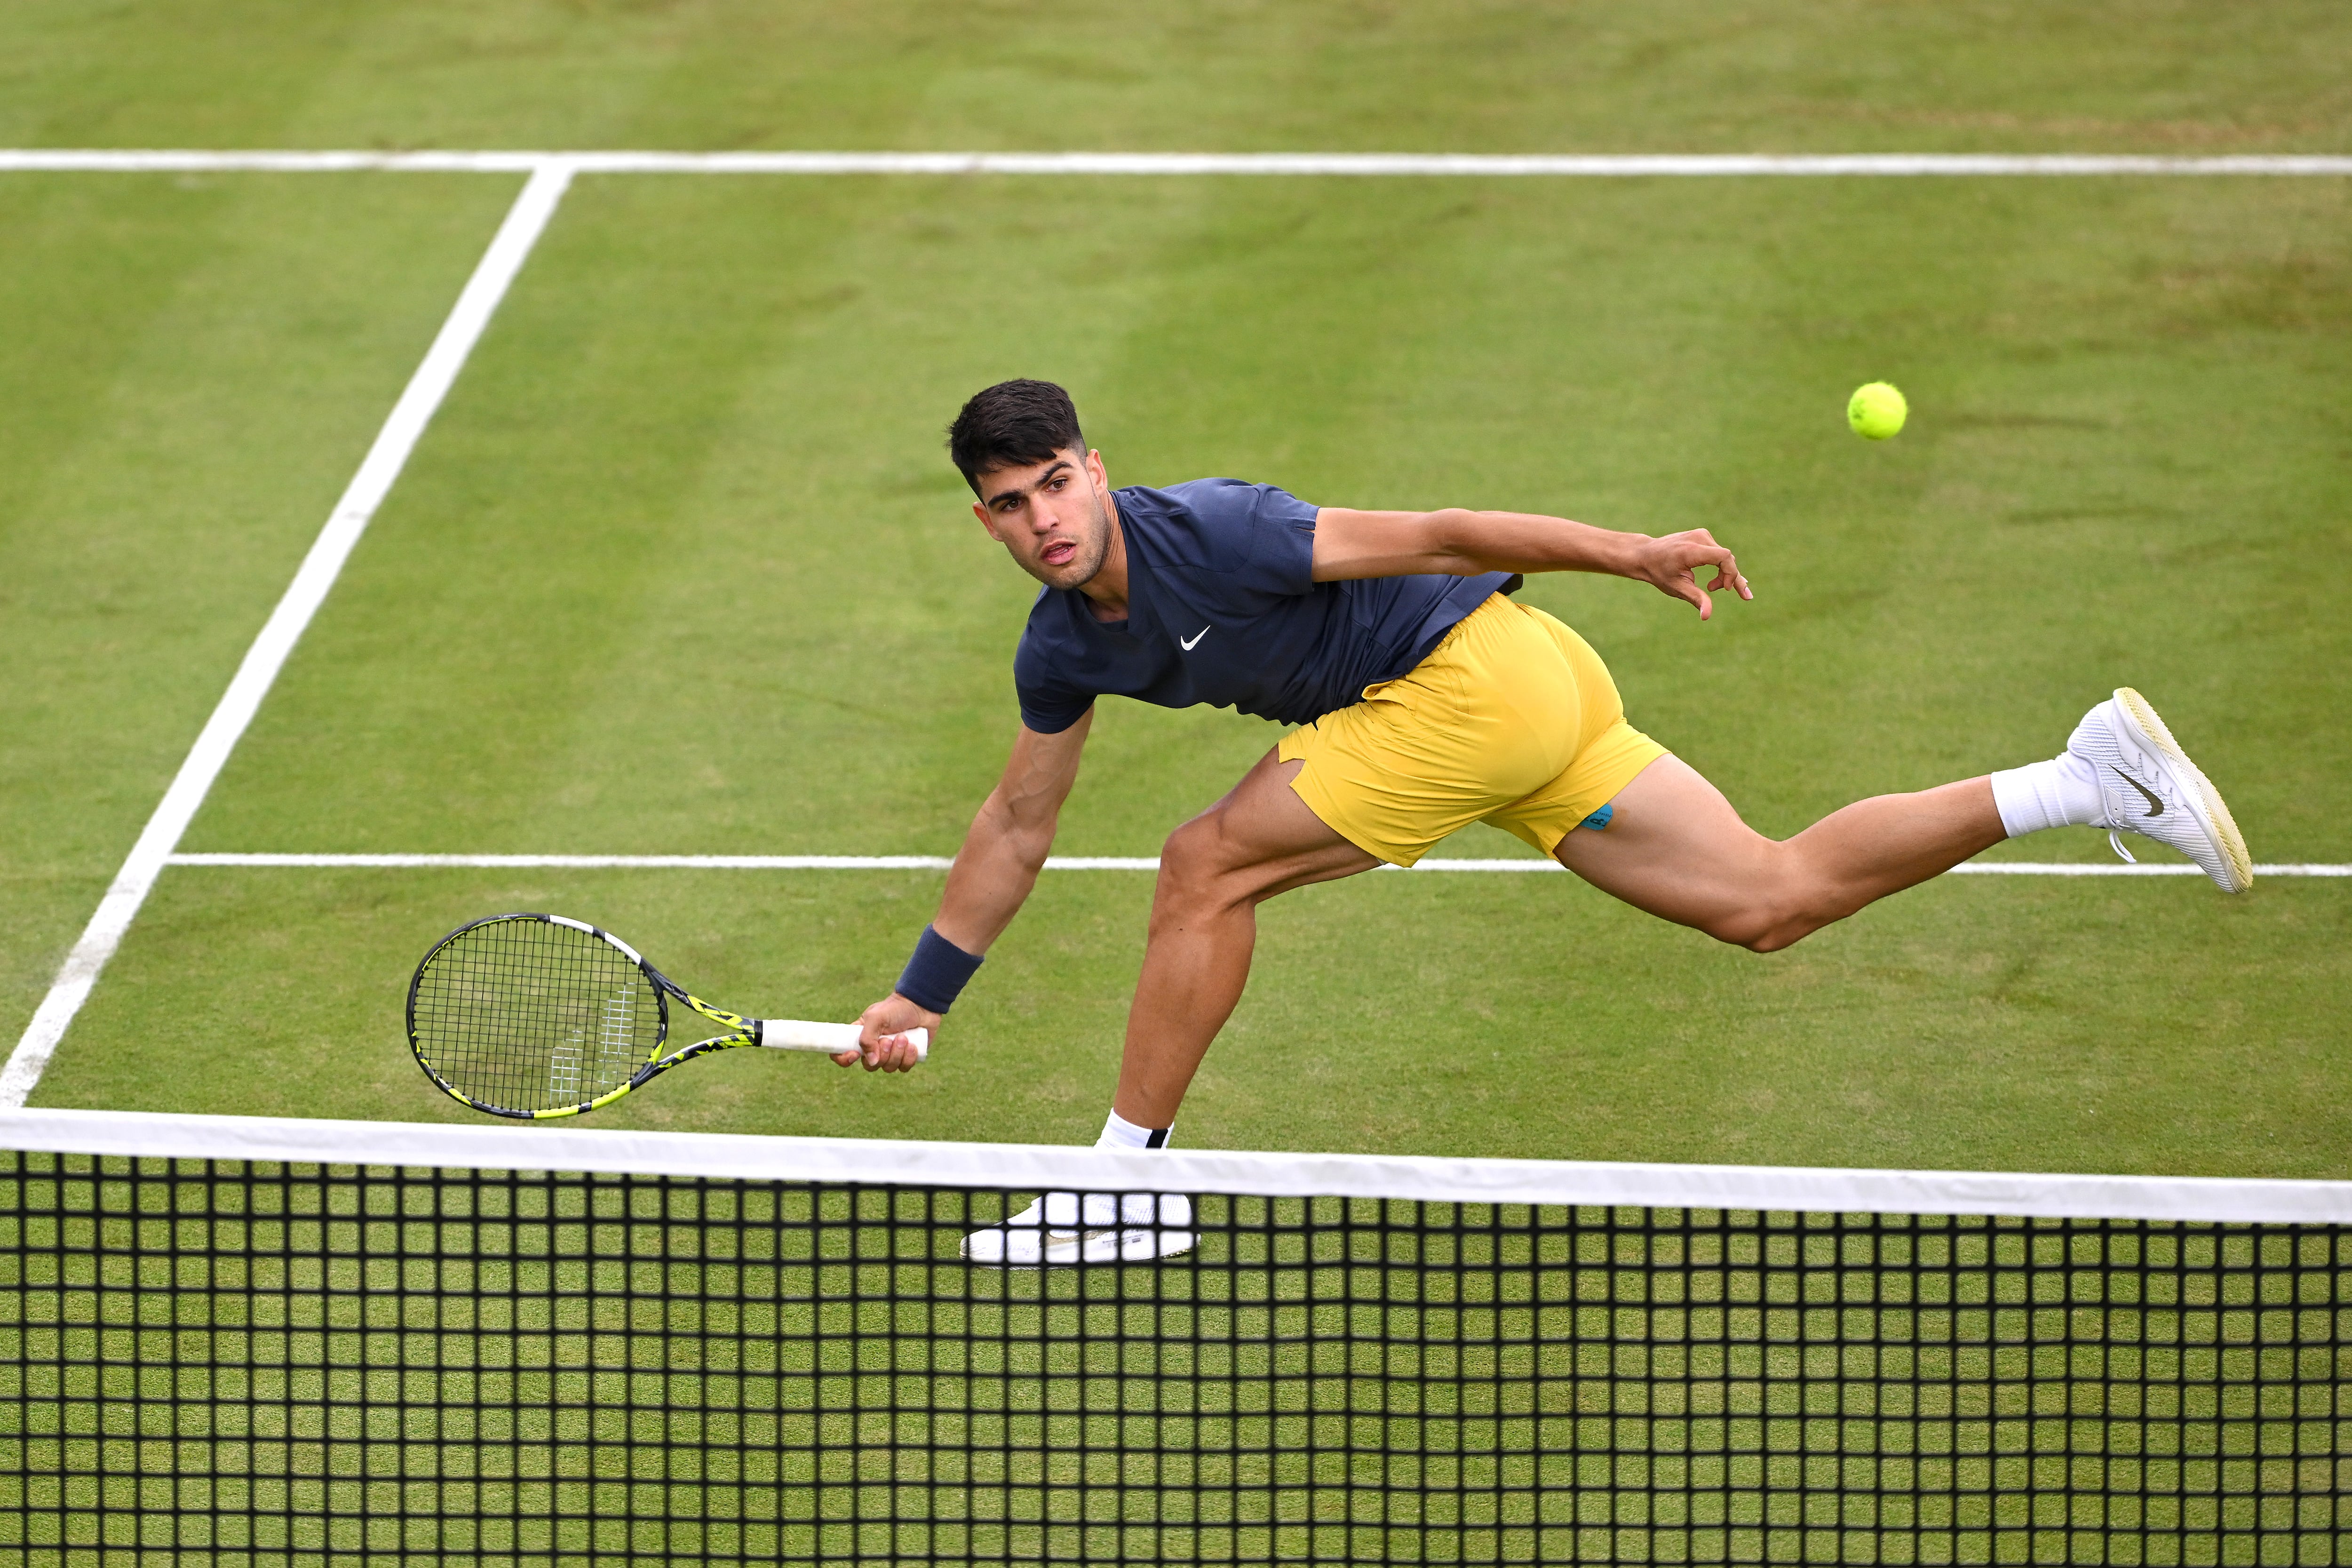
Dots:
{"x": 1470, "y": 164}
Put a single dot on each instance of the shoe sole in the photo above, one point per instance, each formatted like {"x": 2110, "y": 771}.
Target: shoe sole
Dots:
{"x": 1085, "y": 1249}
{"x": 2220, "y": 826}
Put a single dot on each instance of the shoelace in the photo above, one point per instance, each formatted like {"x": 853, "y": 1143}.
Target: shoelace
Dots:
{"x": 2115, "y": 842}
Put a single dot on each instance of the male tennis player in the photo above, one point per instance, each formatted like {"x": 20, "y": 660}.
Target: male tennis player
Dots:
{"x": 1426, "y": 698}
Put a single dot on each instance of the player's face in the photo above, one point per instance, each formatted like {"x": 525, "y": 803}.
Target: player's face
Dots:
{"x": 1053, "y": 517}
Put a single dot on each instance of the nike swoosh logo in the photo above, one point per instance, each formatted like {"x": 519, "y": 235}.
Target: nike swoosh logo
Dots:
{"x": 1187, "y": 647}
{"x": 2154, "y": 806}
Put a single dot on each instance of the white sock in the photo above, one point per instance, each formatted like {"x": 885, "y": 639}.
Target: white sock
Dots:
{"x": 1120, "y": 1134}
{"x": 1103, "y": 1210}
{"x": 2060, "y": 792}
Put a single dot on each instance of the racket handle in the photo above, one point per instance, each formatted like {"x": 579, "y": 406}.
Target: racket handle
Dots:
{"x": 794, "y": 1035}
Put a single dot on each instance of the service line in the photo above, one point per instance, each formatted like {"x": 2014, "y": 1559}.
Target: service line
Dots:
{"x": 524, "y": 222}
{"x": 1080, "y": 863}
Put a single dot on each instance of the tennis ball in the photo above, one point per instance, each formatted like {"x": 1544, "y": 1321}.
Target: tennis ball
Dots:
{"x": 1875, "y": 411}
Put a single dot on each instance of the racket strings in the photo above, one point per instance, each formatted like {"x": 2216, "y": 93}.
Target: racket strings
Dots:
{"x": 526, "y": 1014}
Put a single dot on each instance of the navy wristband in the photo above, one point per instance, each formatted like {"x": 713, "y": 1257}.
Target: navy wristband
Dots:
{"x": 937, "y": 974}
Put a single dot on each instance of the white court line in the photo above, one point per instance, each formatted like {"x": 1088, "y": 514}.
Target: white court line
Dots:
{"x": 1088, "y": 863}
{"x": 524, "y": 222}
{"x": 1473, "y": 165}
{"x": 1031, "y": 1167}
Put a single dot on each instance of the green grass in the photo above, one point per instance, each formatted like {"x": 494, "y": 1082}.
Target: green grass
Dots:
{"x": 680, "y": 567}
{"x": 1472, "y": 75}
{"x": 190, "y": 369}
{"x": 681, "y": 570}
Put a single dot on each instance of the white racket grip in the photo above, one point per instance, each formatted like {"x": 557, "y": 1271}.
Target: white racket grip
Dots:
{"x": 797, "y": 1035}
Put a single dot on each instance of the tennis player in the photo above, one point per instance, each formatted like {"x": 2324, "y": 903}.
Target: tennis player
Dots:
{"x": 1424, "y": 699}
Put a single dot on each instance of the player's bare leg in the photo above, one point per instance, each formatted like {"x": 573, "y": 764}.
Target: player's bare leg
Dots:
{"x": 1258, "y": 841}
{"x": 1675, "y": 847}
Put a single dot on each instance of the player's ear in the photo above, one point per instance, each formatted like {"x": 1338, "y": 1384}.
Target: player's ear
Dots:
{"x": 1095, "y": 469}
{"x": 986, "y": 521}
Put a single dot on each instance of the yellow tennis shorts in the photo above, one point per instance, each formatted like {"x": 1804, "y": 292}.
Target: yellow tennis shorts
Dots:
{"x": 1511, "y": 720}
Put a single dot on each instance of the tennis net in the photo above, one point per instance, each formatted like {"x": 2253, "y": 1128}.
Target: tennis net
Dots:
{"x": 246, "y": 1342}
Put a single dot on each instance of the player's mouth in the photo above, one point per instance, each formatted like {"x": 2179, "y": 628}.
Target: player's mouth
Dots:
{"x": 1061, "y": 552}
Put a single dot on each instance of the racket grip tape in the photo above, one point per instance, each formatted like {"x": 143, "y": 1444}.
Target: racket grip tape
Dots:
{"x": 796, "y": 1035}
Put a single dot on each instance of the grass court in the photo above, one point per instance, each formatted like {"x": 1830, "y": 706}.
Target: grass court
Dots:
{"x": 680, "y": 566}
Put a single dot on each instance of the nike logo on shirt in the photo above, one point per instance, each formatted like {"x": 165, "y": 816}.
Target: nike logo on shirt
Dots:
{"x": 2155, "y": 805}
{"x": 1186, "y": 644}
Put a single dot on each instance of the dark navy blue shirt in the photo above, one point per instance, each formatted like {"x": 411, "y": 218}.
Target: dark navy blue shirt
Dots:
{"x": 1222, "y": 609}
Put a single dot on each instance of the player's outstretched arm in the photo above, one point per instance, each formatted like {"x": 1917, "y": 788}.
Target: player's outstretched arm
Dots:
{"x": 1351, "y": 544}
{"x": 993, "y": 872}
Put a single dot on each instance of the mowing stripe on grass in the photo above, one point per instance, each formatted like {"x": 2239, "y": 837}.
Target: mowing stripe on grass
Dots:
{"x": 520, "y": 230}
{"x": 1483, "y": 165}
{"x": 1034, "y": 1166}
{"x": 1095, "y": 863}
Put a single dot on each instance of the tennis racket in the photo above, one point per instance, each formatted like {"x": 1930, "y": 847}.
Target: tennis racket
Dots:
{"x": 537, "y": 1017}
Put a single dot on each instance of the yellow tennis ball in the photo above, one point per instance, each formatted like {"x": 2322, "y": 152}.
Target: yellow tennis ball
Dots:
{"x": 1875, "y": 411}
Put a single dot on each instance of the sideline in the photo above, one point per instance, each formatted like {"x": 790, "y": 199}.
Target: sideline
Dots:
{"x": 525, "y": 221}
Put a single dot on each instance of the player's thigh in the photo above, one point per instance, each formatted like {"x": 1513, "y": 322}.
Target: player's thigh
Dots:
{"x": 1259, "y": 840}
{"x": 1676, "y": 847}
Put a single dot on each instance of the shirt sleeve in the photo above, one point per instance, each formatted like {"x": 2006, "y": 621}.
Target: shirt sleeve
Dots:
{"x": 1282, "y": 542}
{"x": 1048, "y": 706}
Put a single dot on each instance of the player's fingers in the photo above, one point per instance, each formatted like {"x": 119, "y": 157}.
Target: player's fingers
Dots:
{"x": 1727, "y": 573}
{"x": 1737, "y": 578}
{"x": 848, "y": 1059}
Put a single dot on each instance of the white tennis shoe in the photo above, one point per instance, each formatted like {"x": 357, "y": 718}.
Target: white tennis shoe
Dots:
{"x": 1093, "y": 1227}
{"x": 2147, "y": 786}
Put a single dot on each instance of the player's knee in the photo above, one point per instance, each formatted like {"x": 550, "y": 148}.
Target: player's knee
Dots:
{"x": 1192, "y": 860}
{"x": 1203, "y": 872}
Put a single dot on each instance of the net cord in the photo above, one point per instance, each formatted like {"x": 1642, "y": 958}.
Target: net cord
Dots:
{"x": 894, "y": 1162}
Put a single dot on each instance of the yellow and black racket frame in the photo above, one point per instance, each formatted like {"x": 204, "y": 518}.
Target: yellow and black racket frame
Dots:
{"x": 740, "y": 1031}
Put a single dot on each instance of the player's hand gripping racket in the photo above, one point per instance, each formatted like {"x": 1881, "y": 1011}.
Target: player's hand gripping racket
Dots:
{"x": 537, "y": 1016}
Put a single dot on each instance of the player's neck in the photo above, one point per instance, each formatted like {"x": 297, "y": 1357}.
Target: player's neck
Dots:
{"x": 1105, "y": 591}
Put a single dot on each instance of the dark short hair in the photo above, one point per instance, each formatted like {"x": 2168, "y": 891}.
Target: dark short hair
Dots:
{"x": 1011, "y": 424}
